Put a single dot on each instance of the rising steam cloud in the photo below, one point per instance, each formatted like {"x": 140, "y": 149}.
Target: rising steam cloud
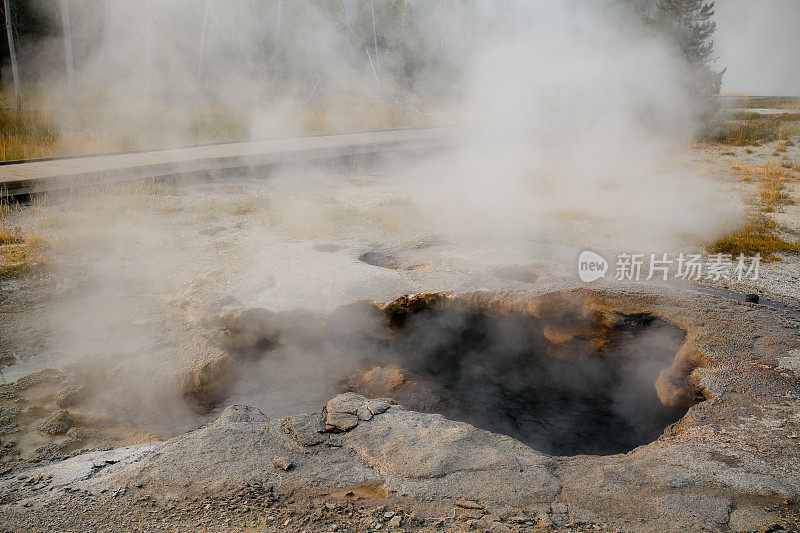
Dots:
{"x": 574, "y": 120}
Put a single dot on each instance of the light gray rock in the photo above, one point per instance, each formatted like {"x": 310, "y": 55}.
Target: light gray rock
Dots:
{"x": 348, "y": 402}
{"x": 236, "y": 448}
{"x": 364, "y": 413}
{"x": 791, "y": 361}
{"x": 341, "y": 421}
{"x": 344, "y": 411}
{"x": 306, "y": 429}
{"x": 670, "y": 485}
{"x": 377, "y": 407}
{"x": 429, "y": 455}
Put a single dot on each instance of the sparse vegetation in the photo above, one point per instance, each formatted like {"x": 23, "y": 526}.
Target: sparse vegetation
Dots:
{"x": 25, "y": 134}
{"x": 777, "y": 102}
{"x": 772, "y": 187}
{"x": 19, "y": 249}
{"x": 756, "y": 236}
{"x": 760, "y": 234}
{"x": 789, "y": 117}
{"x": 738, "y": 114}
{"x": 9, "y": 232}
{"x": 743, "y": 133}
{"x": 30, "y": 134}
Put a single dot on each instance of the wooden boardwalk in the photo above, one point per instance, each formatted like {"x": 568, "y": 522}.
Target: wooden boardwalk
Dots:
{"x": 31, "y": 176}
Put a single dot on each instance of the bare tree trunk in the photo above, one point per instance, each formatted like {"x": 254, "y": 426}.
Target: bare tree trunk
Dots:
{"x": 444, "y": 24}
{"x": 12, "y": 51}
{"x": 231, "y": 20}
{"x": 202, "y": 43}
{"x": 374, "y": 72}
{"x": 68, "y": 51}
{"x": 108, "y": 17}
{"x": 264, "y": 72}
{"x": 375, "y": 40}
{"x": 403, "y": 8}
{"x": 277, "y": 59}
{"x": 148, "y": 50}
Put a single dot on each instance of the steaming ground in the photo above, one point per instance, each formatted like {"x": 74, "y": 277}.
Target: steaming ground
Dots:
{"x": 135, "y": 272}
{"x": 579, "y": 122}
{"x": 136, "y": 275}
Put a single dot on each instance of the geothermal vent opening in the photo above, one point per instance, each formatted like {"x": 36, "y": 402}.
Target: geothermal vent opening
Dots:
{"x": 556, "y": 375}
{"x": 562, "y": 373}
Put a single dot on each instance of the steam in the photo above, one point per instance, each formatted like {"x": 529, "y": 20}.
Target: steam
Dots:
{"x": 756, "y": 41}
{"x": 576, "y": 127}
{"x": 581, "y": 121}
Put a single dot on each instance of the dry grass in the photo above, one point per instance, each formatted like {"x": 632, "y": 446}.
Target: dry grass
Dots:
{"x": 9, "y": 232}
{"x": 50, "y": 130}
{"x": 25, "y": 134}
{"x": 778, "y": 102}
{"x": 772, "y": 187}
{"x": 251, "y": 204}
{"x": 744, "y": 133}
{"x": 20, "y": 249}
{"x": 788, "y": 164}
{"x": 738, "y": 114}
{"x": 760, "y": 233}
{"x": 36, "y": 131}
{"x": 756, "y": 236}
{"x": 789, "y": 117}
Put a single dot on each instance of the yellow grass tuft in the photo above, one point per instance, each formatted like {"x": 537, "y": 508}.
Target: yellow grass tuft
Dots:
{"x": 772, "y": 187}
{"x": 750, "y": 132}
{"x": 19, "y": 249}
{"x": 756, "y": 236}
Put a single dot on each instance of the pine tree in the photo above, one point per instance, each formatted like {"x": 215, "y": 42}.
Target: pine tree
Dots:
{"x": 691, "y": 24}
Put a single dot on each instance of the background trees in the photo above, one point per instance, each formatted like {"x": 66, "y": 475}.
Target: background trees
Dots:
{"x": 690, "y": 23}
{"x": 396, "y": 51}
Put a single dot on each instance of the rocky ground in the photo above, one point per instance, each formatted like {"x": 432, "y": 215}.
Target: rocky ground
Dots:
{"x": 161, "y": 412}
{"x": 778, "y": 279}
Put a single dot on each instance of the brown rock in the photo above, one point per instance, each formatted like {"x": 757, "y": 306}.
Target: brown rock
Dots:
{"x": 70, "y": 395}
{"x": 57, "y": 423}
{"x": 399, "y": 384}
{"x": 283, "y": 463}
{"x": 208, "y": 372}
